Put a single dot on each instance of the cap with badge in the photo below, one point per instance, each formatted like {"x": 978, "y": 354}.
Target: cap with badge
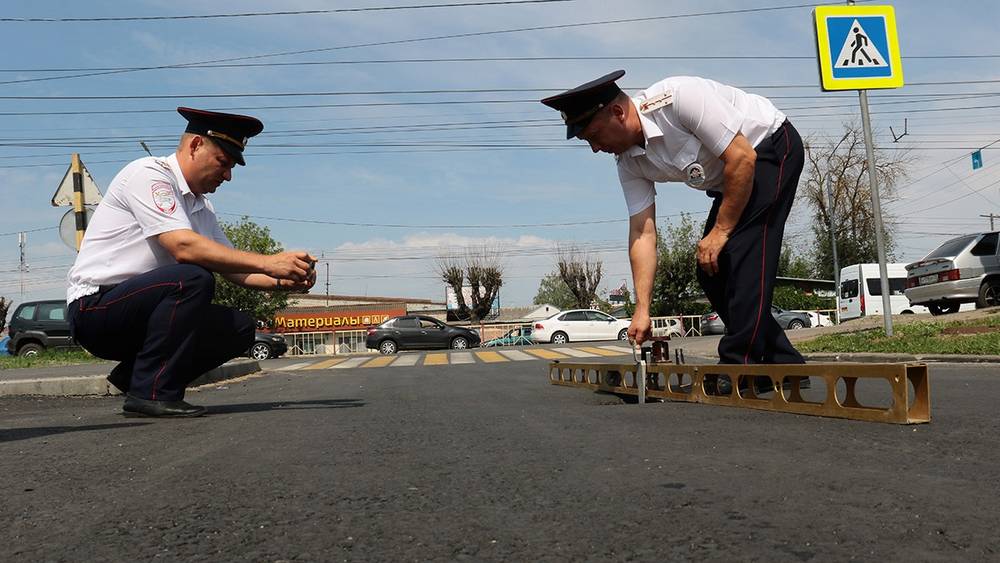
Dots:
{"x": 579, "y": 105}
{"x": 229, "y": 130}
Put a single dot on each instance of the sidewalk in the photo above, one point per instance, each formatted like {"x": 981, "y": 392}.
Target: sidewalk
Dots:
{"x": 90, "y": 379}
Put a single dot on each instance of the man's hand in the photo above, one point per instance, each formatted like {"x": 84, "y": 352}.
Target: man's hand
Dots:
{"x": 299, "y": 286}
{"x": 293, "y": 265}
{"x": 641, "y": 328}
{"x": 709, "y": 249}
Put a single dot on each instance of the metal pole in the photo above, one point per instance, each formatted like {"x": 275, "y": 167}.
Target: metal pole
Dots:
{"x": 22, "y": 238}
{"x": 991, "y": 216}
{"x": 327, "y": 284}
{"x": 78, "y": 201}
{"x": 833, "y": 239}
{"x": 877, "y": 212}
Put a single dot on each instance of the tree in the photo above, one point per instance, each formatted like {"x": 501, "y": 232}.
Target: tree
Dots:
{"x": 553, "y": 290}
{"x": 854, "y": 230}
{"x": 484, "y": 271}
{"x": 675, "y": 288}
{"x": 4, "y": 307}
{"x": 791, "y": 264}
{"x": 580, "y": 274}
{"x": 261, "y": 305}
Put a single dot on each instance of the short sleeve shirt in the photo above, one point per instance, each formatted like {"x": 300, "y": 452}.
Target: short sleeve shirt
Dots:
{"x": 688, "y": 122}
{"x": 147, "y": 198}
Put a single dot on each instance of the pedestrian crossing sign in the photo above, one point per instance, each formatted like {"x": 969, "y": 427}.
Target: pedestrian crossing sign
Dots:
{"x": 858, "y": 47}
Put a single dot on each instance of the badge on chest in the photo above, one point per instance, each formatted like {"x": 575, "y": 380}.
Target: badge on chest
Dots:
{"x": 695, "y": 175}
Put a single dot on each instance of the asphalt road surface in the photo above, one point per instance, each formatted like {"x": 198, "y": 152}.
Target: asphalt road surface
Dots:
{"x": 490, "y": 462}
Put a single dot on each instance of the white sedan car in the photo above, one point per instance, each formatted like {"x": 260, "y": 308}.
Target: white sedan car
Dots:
{"x": 580, "y": 324}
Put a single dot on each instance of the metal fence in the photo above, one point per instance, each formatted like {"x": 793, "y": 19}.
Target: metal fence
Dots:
{"x": 326, "y": 343}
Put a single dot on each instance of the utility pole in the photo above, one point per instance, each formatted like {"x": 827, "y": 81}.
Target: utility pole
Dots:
{"x": 22, "y": 239}
{"x": 991, "y": 217}
{"x": 327, "y": 284}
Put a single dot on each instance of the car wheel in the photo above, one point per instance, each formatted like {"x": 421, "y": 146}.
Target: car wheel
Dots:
{"x": 459, "y": 343}
{"x": 989, "y": 294}
{"x": 559, "y": 338}
{"x": 30, "y": 350}
{"x": 623, "y": 335}
{"x": 260, "y": 351}
{"x": 795, "y": 324}
{"x": 387, "y": 347}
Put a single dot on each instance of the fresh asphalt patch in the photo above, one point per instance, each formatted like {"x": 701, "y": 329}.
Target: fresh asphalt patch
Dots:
{"x": 490, "y": 462}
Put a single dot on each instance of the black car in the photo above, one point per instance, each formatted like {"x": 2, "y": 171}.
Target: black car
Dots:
{"x": 267, "y": 345}
{"x": 415, "y": 332}
{"x": 39, "y": 325}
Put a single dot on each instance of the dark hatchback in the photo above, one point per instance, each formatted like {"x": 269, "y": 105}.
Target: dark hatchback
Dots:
{"x": 414, "y": 332}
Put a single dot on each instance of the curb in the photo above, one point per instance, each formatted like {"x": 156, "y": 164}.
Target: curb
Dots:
{"x": 91, "y": 385}
{"x": 883, "y": 358}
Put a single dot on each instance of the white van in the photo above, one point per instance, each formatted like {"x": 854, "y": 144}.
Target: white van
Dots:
{"x": 861, "y": 291}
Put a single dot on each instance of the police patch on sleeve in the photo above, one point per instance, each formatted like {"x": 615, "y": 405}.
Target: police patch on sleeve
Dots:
{"x": 656, "y": 102}
{"x": 163, "y": 197}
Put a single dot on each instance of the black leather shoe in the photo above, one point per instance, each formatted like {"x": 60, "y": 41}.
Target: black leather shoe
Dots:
{"x": 121, "y": 377}
{"x": 135, "y": 406}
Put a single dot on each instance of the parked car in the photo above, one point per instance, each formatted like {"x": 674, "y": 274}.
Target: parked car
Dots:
{"x": 962, "y": 270}
{"x": 266, "y": 345}
{"x": 861, "y": 291}
{"x": 818, "y": 319}
{"x": 580, "y": 324}
{"x": 711, "y": 323}
{"x": 513, "y": 337}
{"x": 667, "y": 326}
{"x": 37, "y": 326}
{"x": 414, "y": 332}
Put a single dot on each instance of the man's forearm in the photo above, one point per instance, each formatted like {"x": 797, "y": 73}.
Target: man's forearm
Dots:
{"x": 642, "y": 256}
{"x": 188, "y": 247}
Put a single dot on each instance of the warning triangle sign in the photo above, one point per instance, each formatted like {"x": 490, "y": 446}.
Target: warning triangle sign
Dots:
{"x": 859, "y": 51}
{"x": 64, "y": 193}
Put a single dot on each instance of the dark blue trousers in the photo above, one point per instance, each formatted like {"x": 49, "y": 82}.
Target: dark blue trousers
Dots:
{"x": 742, "y": 291}
{"x": 163, "y": 328}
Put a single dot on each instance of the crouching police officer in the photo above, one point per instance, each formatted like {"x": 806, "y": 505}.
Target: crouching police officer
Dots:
{"x": 735, "y": 146}
{"x": 140, "y": 291}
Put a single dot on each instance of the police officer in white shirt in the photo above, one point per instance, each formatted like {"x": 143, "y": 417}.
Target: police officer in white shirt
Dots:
{"x": 140, "y": 291}
{"x": 735, "y": 146}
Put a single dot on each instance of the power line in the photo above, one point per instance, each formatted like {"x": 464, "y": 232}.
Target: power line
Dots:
{"x": 553, "y": 58}
{"x": 277, "y": 13}
{"x": 430, "y": 38}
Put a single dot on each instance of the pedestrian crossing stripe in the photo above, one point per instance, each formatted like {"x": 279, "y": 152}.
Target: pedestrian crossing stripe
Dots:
{"x": 491, "y": 357}
{"x": 379, "y": 362}
{"x": 600, "y": 351}
{"x": 547, "y": 354}
{"x": 458, "y": 358}
{"x": 326, "y": 364}
{"x": 436, "y": 360}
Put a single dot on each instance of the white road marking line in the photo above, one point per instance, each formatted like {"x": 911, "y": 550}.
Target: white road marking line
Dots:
{"x": 352, "y": 363}
{"x": 294, "y": 366}
{"x": 574, "y": 352}
{"x": 516, "y": 355}
{"x": 462, "y": 358}
{"x": 407, "y": 360}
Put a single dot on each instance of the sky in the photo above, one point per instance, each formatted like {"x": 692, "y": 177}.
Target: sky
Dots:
{"x": 390, "y": 142}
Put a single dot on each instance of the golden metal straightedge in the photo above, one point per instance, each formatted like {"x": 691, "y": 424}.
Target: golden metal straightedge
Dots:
{"x": 688, "y": 383}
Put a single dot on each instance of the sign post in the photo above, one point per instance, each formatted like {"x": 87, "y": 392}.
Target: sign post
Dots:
{"x": 859, "y": 50}
{"x": 77, "y": 189}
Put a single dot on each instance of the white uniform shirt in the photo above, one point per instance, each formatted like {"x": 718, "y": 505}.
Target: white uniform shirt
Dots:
{"x": 688, "y": 122}
{"x": 147, "y": 198}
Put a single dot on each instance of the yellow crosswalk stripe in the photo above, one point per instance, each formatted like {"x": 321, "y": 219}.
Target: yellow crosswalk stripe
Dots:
{"x": 436, "y": 360}
{"x": 491, "y": 357}
{"x": 325, "y": 363}
{"x": 599, "y": 351}
{"x": 547, "y": 354}
{"x": 379, "y": 362}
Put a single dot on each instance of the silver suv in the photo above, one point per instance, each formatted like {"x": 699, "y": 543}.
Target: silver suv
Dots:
{"x": 962, "y": 270}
